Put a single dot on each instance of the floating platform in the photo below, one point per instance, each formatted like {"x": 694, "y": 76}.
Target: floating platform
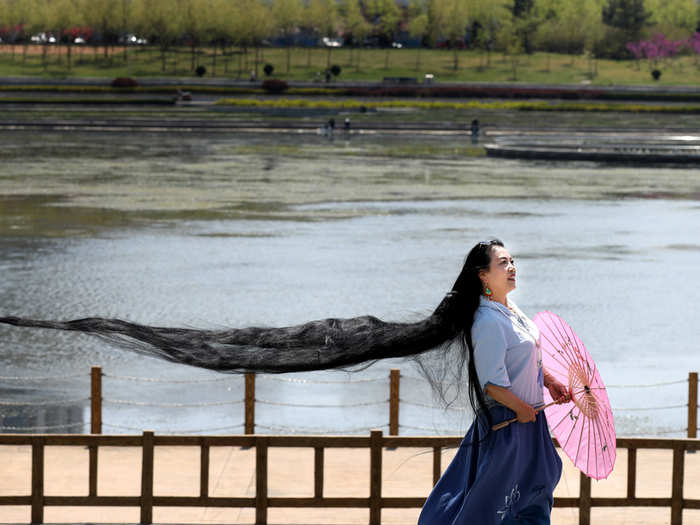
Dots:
{"x": 686, "y": 152}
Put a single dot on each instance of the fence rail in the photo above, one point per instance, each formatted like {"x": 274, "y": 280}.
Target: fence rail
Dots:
{"x": 376, "y": 442}
{"x": 249, "y": 402}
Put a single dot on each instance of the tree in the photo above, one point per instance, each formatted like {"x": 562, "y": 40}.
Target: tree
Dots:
{"x": 194, "y": 19}
{"x": 448, "y": 19}
{"x": 630, "y": 16}
{"x": 674, "y": 18}
{"x": 159, "y": 21}
{"x": 491, "y": 16}
{"x": 624, "y": 22}
{"x": 323, "y": 15}
{"x": 253, "y": 26}
{"x": 287, "y": 16}
{"x": 418, "y": 24}
{"x": 525, "y": 22}
{"x": 510, "y": 41}
{"x": 355, "y": 27}
{"x": 104, "y": 16}
{"x": 385, "y": 17}
{"x": 62, "y": 14}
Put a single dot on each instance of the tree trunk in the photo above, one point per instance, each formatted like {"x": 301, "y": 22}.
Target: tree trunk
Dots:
{"x": 192, "y": 58}
{"x": 328, "y": 57}
{"x": 308, "y": 57}
{"x": 455, "y": 64}
{"x": 418, "y": 59}
{"x": 289, "y": 58}
{"x": 257, "y": 61}
{"x": 386, "y": 58}
{"x": 24, "y": 53}
{"x": 43, "y": 54}
{"x": 68, "y": 55}
{"x": 162, "y": 59}
{"x": 213, "y": 62}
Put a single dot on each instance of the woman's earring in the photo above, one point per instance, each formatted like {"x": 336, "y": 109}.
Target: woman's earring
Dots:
{"x": 488, "y": 292}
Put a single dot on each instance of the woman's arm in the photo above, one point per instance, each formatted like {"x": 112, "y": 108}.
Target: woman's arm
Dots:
{"x": 503, "y": 395}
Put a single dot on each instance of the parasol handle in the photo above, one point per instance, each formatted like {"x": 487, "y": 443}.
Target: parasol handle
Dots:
{"x": 507, "y": 422}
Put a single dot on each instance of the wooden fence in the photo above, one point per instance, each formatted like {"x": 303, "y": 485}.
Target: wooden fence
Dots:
{"x": 394, "y": 402}
{"x": 375, "y": 443}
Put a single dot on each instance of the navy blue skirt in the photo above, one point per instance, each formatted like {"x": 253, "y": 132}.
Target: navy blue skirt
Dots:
{"x": 506, "y": 479}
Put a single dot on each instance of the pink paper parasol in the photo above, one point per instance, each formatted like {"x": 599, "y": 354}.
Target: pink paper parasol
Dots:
{"x": 583, "y": 426}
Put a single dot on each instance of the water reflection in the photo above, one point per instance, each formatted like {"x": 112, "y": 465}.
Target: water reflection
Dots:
{"x": 240, "y": 231}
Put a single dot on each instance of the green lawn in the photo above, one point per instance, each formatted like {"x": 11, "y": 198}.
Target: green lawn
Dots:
{"x": 361, "y": 65}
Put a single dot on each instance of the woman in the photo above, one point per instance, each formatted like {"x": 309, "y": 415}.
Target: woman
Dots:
{"x": 504, "y": 476}
{"x": 500, "y": 476}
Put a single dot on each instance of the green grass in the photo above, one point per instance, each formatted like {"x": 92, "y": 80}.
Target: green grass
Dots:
{"x": 357, "y": 65}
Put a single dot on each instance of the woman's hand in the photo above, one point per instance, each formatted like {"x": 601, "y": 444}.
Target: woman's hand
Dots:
{"x": 525, "y": 413}
{"x": 560, "y": 394}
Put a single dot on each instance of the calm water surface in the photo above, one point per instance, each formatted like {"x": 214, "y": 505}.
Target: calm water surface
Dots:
{"x": 237, "y": 231}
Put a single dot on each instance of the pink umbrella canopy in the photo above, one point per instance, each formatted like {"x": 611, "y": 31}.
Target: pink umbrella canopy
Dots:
{"x": 583, "y": 426}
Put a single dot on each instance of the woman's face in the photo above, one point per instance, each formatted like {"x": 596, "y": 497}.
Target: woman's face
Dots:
{"x": 500, "y": 277}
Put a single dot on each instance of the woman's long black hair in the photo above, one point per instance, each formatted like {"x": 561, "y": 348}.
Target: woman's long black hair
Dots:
{"x": 440, "y": 344}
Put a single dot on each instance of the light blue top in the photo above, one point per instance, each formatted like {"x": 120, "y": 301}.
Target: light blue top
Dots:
{"x": 506, "y": 351}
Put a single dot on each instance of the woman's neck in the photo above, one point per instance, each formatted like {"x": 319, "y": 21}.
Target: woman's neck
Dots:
{"x": 500, "y": 299}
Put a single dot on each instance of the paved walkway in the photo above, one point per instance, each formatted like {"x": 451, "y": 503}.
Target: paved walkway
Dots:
{"x": 407, "y": 472}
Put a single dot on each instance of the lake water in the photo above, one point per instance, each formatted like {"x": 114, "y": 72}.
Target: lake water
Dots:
{"x": 213, "y": 231}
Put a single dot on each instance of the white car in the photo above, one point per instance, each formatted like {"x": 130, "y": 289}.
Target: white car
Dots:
{"x": 79, "y": 40}
{"x": 331, "y": 42}
{"x": 43, "y": 38}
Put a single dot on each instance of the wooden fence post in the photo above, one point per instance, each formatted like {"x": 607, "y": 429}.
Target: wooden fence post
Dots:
{"x": 677, "y": 484}
{"x": 250, "y": 403}
{"x": 96, "y": 400}
{"x": 37, "y": 479}
{"x": 204, "y": 471}
{"x": 692, "y": 404}
{"x": 318, "y": 472}
{"x": 147, "y": 478}
{"x": 437, "y": 464}
{"x": 261, "y": 480}
{"x": 584, "y": 505}
{"x": 375, "y": 477}
{"x": 394, "y": 381}
{"x": 631, "y": 473}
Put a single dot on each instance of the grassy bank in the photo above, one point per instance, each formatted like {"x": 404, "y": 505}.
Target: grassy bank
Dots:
{"x": 356, "y": 65}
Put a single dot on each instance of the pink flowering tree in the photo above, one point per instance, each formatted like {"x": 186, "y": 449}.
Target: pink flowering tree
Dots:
{"x": 693, "y": 43}
{"x": 657, "y": 48}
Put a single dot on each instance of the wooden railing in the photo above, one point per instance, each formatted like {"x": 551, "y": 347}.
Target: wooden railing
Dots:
{"x": 375, "y": 443}
{"x": 96, "y": 402}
